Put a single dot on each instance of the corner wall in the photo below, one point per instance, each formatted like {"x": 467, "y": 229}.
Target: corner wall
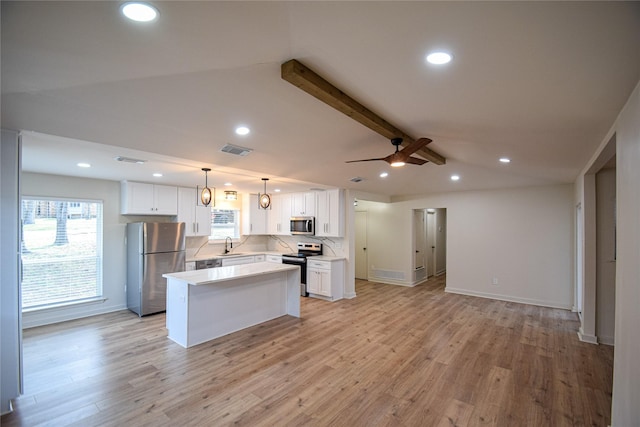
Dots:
{"x": 626, "y": 369}
{"x": 522, "y": 237}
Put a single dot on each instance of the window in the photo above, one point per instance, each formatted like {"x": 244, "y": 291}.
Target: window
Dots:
{"x": 61, "y": 251}
{"x": 225, "y": 223}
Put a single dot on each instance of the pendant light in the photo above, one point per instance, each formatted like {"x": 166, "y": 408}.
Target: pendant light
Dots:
{"x": 205, "y": 196}
{"x": 264, "y": 200}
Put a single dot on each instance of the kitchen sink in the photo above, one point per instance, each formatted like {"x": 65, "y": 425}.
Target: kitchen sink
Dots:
{"x": 233, "y": 254}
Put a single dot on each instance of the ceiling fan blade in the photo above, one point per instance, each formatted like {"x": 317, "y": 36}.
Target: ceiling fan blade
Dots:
{"x": 364, "y": 160}
{"x": 415, "y": 161}
{"x": 415, "y": 146}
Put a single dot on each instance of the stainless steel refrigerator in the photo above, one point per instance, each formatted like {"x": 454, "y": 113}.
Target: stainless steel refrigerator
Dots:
{"x": 153, "y": 249}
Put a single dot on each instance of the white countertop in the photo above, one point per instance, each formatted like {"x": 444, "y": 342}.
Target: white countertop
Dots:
{"x": 232, "y": 255}
{"x": 221, "y": 274}
{"x": 326, "y": 258}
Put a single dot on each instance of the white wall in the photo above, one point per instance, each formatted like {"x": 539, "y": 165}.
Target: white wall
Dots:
{"x": 114, "y": 263}
{"x": 10, "y": 330}
{"x": 626, "y": 369}
{"x": 522, "y": 237}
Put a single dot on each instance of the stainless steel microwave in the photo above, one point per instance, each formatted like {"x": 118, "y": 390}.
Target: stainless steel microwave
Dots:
{"x": 303, "y": 225}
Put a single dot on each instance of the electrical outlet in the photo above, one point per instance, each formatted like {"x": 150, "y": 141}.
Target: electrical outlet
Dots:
{"x": 494, "y": 281}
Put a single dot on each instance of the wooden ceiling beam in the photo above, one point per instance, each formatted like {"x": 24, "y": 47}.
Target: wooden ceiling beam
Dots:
{"x": 306, "y": 79}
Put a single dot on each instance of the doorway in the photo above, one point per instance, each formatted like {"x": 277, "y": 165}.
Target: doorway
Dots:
{"x": 429, "y": 243}
{"x": 596, "y": 257}
{"x": 362, "y": 269}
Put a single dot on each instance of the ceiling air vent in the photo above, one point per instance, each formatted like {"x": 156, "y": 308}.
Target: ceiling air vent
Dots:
{"x": 234, "y": 149}
{"x": 130, "y": 160}
{"x": 356, "y": 179}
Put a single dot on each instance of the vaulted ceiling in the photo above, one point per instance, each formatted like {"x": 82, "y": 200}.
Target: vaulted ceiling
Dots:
{"x": 538, "y": 82}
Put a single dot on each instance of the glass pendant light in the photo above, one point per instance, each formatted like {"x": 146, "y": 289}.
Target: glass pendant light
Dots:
{"x": 205, "y": 196}
{"x": 264, "y": 200}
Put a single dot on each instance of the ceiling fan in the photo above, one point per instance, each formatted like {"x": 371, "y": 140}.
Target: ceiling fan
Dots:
{"x": 402, "y": 157}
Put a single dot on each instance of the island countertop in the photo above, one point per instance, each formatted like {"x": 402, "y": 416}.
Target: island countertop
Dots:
{"x": 206, "y": 304}
{"x": 221, "y": 274}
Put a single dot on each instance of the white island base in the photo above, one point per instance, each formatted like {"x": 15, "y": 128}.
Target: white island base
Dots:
{"x": 207, "y": 304}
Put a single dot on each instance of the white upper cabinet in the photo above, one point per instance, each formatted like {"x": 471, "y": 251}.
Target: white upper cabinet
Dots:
{"x": 280, "y": 214}
{"x": 303, "y": 204}
{"x": 139, "y": 198}
{"x": 254, "y": 218}
{"x": 330, "y": 213}
{"x": 196, "y": 217}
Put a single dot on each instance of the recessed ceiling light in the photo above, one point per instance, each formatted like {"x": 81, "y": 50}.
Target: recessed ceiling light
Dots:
{"x": 505, "y": 160}
{"x": 384, "y": 174}
{"x": 157, "y": 175}
{"x": 243, "y": 130}
{"x": 277, "y": 190}
{"x": 438, "y": 58}
{"x": 139, "y": 12}
{"x": 228, "y": 184}
{"x": 455, "y": 177}
{"x": 84, "y": 165}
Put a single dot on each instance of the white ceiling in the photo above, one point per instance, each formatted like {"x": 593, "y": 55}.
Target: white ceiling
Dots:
{"x": 539, "y": 82}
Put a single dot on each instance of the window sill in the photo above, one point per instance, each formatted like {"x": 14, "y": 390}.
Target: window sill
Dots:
{"x": 64, "y": 304}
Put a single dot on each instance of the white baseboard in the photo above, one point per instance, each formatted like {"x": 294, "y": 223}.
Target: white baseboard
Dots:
{"x": 509, "y": 298}
{"x": 62, "y": 314}
{"x": 606, "y": 340}
{"x": 591, "y": 339}
{"x": 349, "y": 295}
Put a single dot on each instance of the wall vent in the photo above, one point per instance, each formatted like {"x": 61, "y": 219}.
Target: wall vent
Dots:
{"x": 130, "y": 160}
{"x": 236, "y": 150}
{"x": 388, "y": 274}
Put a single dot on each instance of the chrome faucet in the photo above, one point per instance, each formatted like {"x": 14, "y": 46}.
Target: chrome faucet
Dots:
{"x": 226, "y": 251}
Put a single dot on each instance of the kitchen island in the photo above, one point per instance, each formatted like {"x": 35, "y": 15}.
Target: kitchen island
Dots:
{"x": 207, "y": 304}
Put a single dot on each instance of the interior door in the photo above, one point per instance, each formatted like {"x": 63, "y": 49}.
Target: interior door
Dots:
{"x": 361, "y": 245}
{"x": 419, "y": 238}
{"x": 431, "y": 243}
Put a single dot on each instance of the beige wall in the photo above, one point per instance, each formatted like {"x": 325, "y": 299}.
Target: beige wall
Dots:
{"x": 522, "y": 237}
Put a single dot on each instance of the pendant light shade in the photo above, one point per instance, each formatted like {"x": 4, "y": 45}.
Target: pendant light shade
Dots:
{"x": 205, "y": 196}
{"x": 264, "y": 200}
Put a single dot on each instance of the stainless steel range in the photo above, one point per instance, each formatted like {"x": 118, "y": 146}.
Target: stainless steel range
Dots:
{"x": 304, "y": 250}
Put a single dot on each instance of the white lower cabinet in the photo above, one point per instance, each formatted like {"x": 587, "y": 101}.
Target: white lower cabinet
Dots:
{"x": 226, "y": 262}
{"x": 274, "y": 258}
{"x": 326, "y": 278}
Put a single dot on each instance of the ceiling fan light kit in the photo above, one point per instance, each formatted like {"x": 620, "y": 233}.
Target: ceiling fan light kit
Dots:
{"x": 401, "y": 157}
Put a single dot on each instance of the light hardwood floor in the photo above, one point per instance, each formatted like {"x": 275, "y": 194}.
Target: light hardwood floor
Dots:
{"x": 393, "y": 356}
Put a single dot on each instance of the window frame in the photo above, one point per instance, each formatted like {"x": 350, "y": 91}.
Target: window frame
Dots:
{"x": 99, "y": 242}
{"x": 237, "y": 226}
